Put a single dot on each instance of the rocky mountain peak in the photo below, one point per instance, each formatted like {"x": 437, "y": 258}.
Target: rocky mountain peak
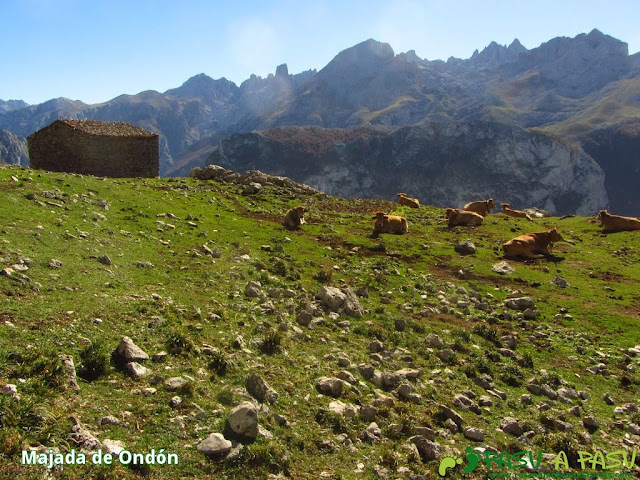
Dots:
{"x": 516, "y": 47}
{"x": 282, "y": 70}
{"x": 9, "y": 105}
{"x": 367, "y": 54}
{"x": 495, "y": 54}
{"x": 579, "y": 65}
{"x": 205, "y": 87}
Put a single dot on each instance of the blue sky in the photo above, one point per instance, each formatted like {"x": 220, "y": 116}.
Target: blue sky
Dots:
{"x": 94, "y": 50}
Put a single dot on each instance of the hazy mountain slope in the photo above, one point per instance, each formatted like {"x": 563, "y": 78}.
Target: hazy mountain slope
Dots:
{"x": 13, "y": 150}
{"x": 444, "y": 164}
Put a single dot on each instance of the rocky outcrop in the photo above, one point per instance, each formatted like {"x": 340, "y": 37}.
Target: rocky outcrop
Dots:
{"x": 444, "y": 164}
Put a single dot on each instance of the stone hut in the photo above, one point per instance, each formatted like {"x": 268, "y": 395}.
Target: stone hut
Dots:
{"x": 104, "y": 149}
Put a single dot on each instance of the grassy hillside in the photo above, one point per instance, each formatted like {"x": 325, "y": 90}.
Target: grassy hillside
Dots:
{"x": 180, "y": 255}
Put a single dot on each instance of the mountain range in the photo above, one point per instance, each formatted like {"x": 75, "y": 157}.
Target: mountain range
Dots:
{"x": 557, "y": 126}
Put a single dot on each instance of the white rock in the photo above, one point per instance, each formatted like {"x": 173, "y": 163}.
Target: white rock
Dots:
{"x": 243, "y": 420}
{"x": 215, "y": 445}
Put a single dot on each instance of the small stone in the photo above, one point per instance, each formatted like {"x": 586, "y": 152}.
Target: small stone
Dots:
{"x": 474, "y": 434}
{"x": 590, "y": 423}
{"x": 175, "y": 383}
{"x": 511, "y": 426}
{"x": 129, "y": 351}
{"x": 53, "y": 263}
{"x": 466, "y": 247}
{"x": 560, "y": 282}
{"x": 259, "y": 389}
{"x": 243, "y": 420}
{"x": 9, "y": 389}
{"x": 521, "y": 303}
{"x": 215, "y": 445}
{"x": 368, "y": 413}
{"x": 343, "y": 409}
{"x": 253, "y": 289}
{"x": 330, "y": 386}
{"x": 427, "y": 449}
{"x": 105, "y": 260}
{"x": 503, "y": 268}
{"x": 434, "y": 341}
{"x": 137, "y": 371}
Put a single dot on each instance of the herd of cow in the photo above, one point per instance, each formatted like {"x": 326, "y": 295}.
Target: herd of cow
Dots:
{"x": 528, "y": 245}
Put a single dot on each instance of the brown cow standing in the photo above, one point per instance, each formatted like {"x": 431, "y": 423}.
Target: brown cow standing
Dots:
{"x": 616, "y": 223}
{"x": 295, "y": 217}
{"x": 482, "y": 207}
{"x": 385, "y": 223}
{"x": 531, "y": 244}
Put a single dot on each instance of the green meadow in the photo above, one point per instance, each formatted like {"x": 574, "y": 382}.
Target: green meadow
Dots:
{"x": 87, "y": 261}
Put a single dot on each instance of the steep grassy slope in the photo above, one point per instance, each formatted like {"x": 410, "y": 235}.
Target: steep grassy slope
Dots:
{"x": 180, "y": 254}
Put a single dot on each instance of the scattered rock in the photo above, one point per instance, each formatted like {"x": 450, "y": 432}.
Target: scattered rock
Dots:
{"x": 511, "y": 426}
{"x": 590, "y": 423}
{"x": 427, "y": 449}
{"x": 253, "y": 289}
{"x": 466, "y": 403}
{"x": 341, "y": 300}
{"x": 176, "y": 383}
{"x": 520, "y": 303}
{"x": 452, "y": 414}
{"x": 371, "y": 434}
{"x": 330, "y": 386}
{"x": 105, "y": 260}
{"x": 252, "y": 188}
{"x": 503, "y": 268}
{"x": 70, "y": 371}
{"x": 560, "y": 282}
{"x": 53, "y": 263}
{"x": 136, "y": 370}
{"x": 368, "y": 413}
{"x": 343, "y": 409}
{"x": 474, "y": 434}
{"x": 215, "y": 445}
{"x": 434, "y": 341}
{"x": 82, "y": 437}
{"x": 259, "y": 389}
{"x": 129, "y": 351}
{"x": 243, "y": 420}
{"x": 465, "y": 247}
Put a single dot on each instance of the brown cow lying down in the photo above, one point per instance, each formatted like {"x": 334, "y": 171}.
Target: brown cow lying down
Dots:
{"x": 531, "y": 244}
{"x": 390, "y": 224}
{"x": 507, "y": 210}
{"x": 462, "y": 217}
{"x": 409, "y": 202}
{"x": 482, "y": 207}
{"x": 295, "y": 217}
{"x": 616, "y": 223}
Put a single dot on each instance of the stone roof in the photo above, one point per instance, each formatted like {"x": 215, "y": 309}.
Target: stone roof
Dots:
{"x": 111, "y": 129}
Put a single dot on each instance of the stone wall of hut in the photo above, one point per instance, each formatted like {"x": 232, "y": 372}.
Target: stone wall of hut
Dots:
{"x": 60, "y": 148}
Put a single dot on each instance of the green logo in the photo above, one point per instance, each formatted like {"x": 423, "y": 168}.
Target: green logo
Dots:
{"x": 495, "y": 463}
{"x": 473, "y": 459}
